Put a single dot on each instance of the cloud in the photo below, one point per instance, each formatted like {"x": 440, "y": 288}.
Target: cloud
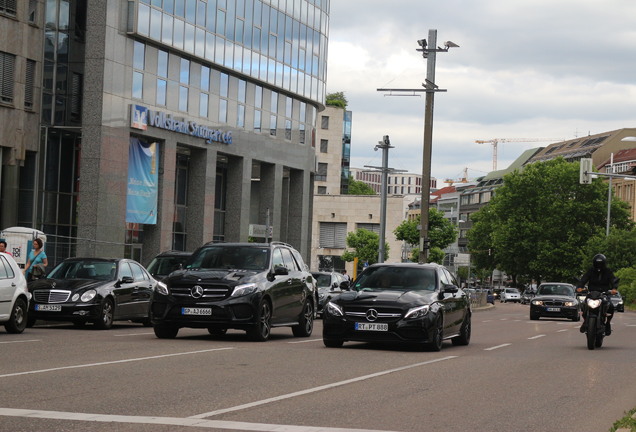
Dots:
{"x": 524, "y": 69}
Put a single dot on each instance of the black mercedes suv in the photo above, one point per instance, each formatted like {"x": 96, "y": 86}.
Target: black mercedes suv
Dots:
{"x": 245, "y": 286}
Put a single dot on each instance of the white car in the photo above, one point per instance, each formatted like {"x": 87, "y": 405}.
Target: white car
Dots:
{"x": 14, "y": 295}
{"x": 510, "y": 295}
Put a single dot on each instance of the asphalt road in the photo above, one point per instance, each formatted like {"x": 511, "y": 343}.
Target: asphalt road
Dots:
{"x": 516, "y": 375}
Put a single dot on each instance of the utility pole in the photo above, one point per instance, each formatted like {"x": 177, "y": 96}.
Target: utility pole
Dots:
{"x": 384, "y": 145}
{"x": 430, "y": 88}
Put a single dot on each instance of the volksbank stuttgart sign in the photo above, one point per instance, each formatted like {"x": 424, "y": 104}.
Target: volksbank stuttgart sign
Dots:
{"x": 141, "y": 117}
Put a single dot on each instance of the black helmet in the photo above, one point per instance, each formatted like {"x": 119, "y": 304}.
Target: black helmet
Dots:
{"x": 599, "y": 261}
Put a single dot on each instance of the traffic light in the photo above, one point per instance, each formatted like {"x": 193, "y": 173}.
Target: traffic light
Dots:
{"x": 585, "y": 171}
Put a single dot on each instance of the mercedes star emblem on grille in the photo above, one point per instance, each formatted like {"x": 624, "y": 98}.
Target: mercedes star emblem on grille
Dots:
{"x": 196, "y": 291}
{"x": 372, "y": 315}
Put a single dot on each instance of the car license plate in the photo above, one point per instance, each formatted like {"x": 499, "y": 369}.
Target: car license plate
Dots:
{"x": 372, "y": 326}
{"x": 48, "y": 308}
{"x": 553, "y": 309}
{"x": 196, "y": 311}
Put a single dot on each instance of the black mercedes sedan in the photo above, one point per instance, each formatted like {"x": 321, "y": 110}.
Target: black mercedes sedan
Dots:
{"x": 555, "y": 300}
{"x": 93, "y": 290}
{"x": 419, "y": 304}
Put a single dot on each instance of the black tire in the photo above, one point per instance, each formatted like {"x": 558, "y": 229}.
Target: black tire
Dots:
{"x": 18, "y": 319}
{"x": 464, "y": 332}
{"x": 164, "y": 331}
{"x": 306, "y": 321}
{"x": 262, "y": 329}
{"x": 438, "y": 336}
{"x": 217, "y": 332}
{"x": 591, "y": 332}
{"x": 106, "y": 314}
{"x": 599, "y": 341}
{"x": 333, "y": 343}
{"x": 577, "y": 318}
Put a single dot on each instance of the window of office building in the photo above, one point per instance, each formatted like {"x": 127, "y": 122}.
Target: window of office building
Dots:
{"x": 179, "y": 229}
{"x": 324, "y": 122}
{"x": 321, "y": 173}
{"x": 223, "y": 110}
{"x": 324, "y": 146}
{"x": 7, "y": 78}
{"x": 183, "y": 98}
{"x": 322, "y": 190}
{"x": 373, "y": 227}
{"x": 257, "y": 121}
{"x": 333, "y": 235}
{"x": 29, "y": 84}
{"x": 8, "y": 7}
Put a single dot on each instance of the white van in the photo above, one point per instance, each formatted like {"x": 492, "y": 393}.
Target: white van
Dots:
{"x": 20, "y": 242}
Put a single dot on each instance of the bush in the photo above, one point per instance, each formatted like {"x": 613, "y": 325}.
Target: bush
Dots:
{"x": 627, "y": 284}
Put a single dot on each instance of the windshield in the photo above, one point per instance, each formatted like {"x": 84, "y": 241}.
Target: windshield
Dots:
{"x": 322, "y": 280}
{"x": 166, "y": 264}
{"x": 86, "y": 269}
{"x": 512, "y": 291}
{"x": 396, "y": 278}
{"x": 564, "y": 290}
{"x": 230, "y": 257}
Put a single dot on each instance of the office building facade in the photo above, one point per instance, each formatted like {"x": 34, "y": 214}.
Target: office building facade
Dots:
{"x": 168, "y": 123}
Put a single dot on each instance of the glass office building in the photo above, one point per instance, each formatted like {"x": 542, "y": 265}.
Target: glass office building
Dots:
{"x": 220, "y": 97}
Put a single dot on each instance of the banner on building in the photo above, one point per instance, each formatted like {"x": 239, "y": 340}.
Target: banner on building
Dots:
{"x": 143, "y": 182}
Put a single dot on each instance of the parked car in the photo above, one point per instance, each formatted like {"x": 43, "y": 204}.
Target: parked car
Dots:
{"x": 14, "y": 295}
{"x": 527, "y": 297}
{"x": 617, "y": 301}
{"x": 555, "y": 300}
{"x": 329, "y": 284}
{"x": 510, "y": 295}
{"x": 167, "y": 262}
{"x": 93, "y": 290}
{"x": 412, "y": 303}
{"x": 245, "y": 286}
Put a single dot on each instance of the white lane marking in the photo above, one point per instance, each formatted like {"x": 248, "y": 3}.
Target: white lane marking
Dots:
{"x": 172, "y": 421}
{"x": 133, "y": 334}
{"x": 22, "y": 341}
{"x": 319, "y": 388}
{"x": 497, "y": 347}
{"x": 111, "y": 362}
{"x": 305, "y": 341}
{"x": 536, "y": 337}
{"x": 487, "y": 321}
{"x": 562, "y": 330}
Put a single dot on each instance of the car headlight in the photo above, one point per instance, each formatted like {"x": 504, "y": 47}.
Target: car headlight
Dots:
{"x": 88, "y": 295}
{"x": 334, "y": 309}
{"x": 537, "y": 302}
{"x": 593, "y": 303}
{"x": 417, "y": 312}
{"x": 569, "y": 303}
{"x": 620, "y": 302}
{"x": 162, "y": 288}
{"x": 241, "y": 290}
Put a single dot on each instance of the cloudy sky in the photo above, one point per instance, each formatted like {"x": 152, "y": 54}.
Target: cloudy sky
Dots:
{"x": 527, "y": 69}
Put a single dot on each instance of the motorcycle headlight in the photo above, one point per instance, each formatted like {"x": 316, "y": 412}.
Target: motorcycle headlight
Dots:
{"x": 593, "y": 303}
{"x": 162, "y": 288}
{"x": 241, "y": 290}
{"x": 88, "y": 295}
{"x": 537, "y": 302}
{"x": 569, "y": 303}
{"x": 334, "y": 309}
{"x": 417, "y": 312}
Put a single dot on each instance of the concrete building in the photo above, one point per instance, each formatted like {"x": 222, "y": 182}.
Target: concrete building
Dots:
{"x": 397, "y": 183}
{"x": 333, "y": 146}
{"x": 219, "y": 100}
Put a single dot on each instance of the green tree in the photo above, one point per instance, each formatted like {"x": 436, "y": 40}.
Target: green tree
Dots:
{"x": 359, "y": 188}
{"x": 619, "y": 248}
{"x": 627, "y": 284}
{"x": 365, "y": 245}
{"x": 538, "y": 223}
{"x": 337, "y": 99}
{"x": 441, "y": 232}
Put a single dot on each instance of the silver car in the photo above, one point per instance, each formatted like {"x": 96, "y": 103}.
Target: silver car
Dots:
{"x": 14, "y": 295}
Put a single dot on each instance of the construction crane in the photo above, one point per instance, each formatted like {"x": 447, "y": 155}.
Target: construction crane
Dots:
{"x": 495, "y": 141}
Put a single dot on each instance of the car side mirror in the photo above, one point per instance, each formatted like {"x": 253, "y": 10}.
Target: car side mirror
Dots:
{"x": 345, "y": 286}
{"x": 281, "y": 271}
{"x": 125, "y": 280}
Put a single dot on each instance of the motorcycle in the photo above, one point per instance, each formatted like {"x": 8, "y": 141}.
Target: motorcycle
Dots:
{"x": 596, "y": 303}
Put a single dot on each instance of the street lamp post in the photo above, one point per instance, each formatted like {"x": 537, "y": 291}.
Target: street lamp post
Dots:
{"x": 430, "y": 88}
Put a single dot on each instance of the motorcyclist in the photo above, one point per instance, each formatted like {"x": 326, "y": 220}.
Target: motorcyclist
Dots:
{"x": 599, "y": 278}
